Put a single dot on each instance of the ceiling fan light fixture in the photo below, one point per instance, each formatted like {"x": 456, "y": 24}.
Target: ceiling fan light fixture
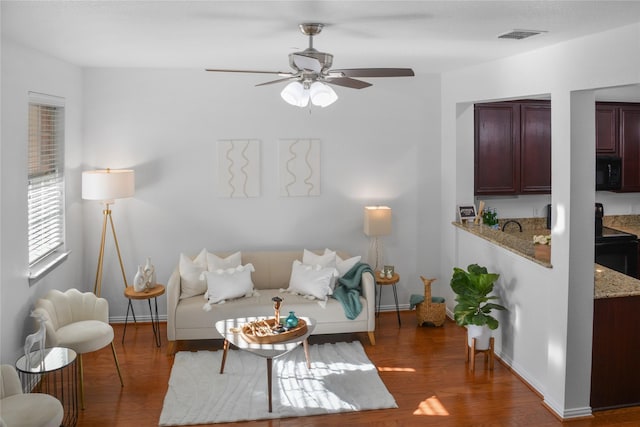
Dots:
{"x": 322, "y": 94}
{"x": 295, "y": 94}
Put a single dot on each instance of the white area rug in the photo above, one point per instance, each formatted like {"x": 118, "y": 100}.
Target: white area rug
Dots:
{"x": 341, "y": 379}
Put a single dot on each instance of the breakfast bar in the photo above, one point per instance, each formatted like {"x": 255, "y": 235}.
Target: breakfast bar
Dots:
{"x": 615, "y": 380}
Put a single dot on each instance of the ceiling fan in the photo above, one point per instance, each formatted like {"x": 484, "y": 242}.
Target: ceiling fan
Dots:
{"x": 312, "y": 70}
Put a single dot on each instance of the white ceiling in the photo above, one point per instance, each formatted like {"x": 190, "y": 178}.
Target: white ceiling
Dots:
{"x": 429, "y": 36}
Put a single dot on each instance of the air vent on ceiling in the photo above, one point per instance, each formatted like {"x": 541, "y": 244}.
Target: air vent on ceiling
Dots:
{"x": 520, "y": 34}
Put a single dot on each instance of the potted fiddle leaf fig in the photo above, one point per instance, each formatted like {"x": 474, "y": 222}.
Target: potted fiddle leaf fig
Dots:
{"x": 474, "y": 306}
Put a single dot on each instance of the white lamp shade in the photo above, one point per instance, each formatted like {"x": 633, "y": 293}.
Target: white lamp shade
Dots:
{"x": 108, "y": 185}
{"x": 322, "y": 95}
{"x": 295, "y": 94}
{"x": 377, "y": 221}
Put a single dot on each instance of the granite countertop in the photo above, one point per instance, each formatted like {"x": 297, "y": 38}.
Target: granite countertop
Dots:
{"x": 608, "y": 283}
{"x": 612, "y": 284}
{"x": 626, "y": 223}
{"x": 512, "y": 239}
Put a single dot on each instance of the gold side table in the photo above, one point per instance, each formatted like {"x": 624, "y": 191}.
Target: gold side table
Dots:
{"x": 154, "y": 293}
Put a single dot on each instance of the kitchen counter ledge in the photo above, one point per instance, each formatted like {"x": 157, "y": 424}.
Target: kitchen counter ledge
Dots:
{"x": 517, "y": 242}
{"x": 608, "y": 283}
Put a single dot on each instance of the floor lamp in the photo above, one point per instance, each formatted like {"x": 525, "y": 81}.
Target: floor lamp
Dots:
{"x": 377, "y": 222}
{"x": 106, "y": 186}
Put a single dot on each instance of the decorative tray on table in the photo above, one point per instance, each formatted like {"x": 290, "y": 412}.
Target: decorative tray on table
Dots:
{"x": 268, "y": 332}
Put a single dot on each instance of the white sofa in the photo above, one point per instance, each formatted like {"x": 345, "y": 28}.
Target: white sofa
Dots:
{"x": 188, "y": 320}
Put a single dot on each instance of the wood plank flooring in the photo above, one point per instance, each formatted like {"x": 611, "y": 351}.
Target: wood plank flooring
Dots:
{"x": 423, "y": 368}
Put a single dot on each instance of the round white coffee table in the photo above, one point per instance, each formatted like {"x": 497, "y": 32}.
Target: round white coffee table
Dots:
{"x": 228, "y": 330}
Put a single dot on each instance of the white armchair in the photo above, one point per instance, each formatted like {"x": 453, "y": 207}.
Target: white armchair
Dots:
{"x": 18, "y": 409}
{"x": 79, "y": 321}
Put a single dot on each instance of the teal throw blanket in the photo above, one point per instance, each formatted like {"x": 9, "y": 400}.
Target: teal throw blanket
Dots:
{"x": 414, "y": 300}
{"x": 348, "y": 290}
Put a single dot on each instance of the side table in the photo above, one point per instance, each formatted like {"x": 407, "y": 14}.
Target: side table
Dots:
{"x": 55, "y": 374}
{"x": 384, "y": 281}
{"x": 154, "y": 293}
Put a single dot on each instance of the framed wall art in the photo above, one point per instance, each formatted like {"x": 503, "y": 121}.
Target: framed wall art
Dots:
{"x": 239, "y": 168}
{"x": 299, "y": 167}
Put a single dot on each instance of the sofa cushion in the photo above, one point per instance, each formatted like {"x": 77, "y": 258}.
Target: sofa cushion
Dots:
{"x": 191, "y": 316}
{"x": 311, "y": 280}
{"x": 229, "y": 283}
{"x": 190, "y": 270}
{"x": 214, "y": 262}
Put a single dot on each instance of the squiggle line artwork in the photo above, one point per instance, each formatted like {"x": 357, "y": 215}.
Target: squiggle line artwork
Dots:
{"x": 239, "y": 168}
{"x": 300, "y": 167}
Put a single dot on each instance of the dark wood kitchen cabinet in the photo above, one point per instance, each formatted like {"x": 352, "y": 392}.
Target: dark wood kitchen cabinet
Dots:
{"x": 618, "y": 134}
{"x": 512, "y": 148}
{"x": 615, "y": 377}
{"x": 607, "y": 129}
{"x": 630, "y": 146}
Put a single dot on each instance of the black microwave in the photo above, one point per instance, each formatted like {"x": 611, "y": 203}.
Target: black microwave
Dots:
{"x": 608, "y": 173}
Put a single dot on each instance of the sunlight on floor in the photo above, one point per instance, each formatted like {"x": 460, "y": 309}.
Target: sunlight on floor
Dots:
{"x": 431, "y": 406}
{"x": 383, "y": 369}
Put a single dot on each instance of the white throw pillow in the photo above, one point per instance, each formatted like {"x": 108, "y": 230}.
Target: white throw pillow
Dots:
{"x": 229, "y": 283}
{"x": 311, "y": 280}
{"x": 214, "y": 262}
{"x": 347, "y": 264}
{"x": 328, "y": 259}
{"x": 190, "y": 271}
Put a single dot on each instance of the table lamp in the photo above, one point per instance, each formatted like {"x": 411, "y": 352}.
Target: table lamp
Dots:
{"x": 377, "y": 222}
{"x": 106, "y": 186}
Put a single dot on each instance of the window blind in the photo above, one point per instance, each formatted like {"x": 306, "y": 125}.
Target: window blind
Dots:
{"x": 45, "y": 189}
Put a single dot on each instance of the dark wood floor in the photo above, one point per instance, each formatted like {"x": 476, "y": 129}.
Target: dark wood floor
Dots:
{"x": 423, "y": 368}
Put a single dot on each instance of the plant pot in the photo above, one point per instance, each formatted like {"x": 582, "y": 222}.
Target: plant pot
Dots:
{"x": 482, "y": 334}
{"x": 542, "y": 252}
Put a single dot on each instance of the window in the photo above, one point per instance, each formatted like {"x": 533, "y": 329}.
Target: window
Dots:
{"x": 45, "y": 189}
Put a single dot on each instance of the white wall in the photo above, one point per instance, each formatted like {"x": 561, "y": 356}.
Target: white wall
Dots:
{"x": 546, "y": 335}
{"x": 379, "y": 146}
{"x": 25, "y": 70}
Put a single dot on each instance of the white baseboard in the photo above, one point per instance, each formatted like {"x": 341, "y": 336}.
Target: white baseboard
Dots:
{"x": 139, "y": 318}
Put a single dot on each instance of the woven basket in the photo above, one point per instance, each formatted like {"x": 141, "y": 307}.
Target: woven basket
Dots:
{"x": 430, "y": 312}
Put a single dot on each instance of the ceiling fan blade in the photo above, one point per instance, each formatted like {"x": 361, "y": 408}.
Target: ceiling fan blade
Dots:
{"x": 307, "y": 63}
{"x": 277, "y": 81}
{"x": 247, "y": 71}
{"x": 347, "y": 82}
{"x": 375, "y": 72}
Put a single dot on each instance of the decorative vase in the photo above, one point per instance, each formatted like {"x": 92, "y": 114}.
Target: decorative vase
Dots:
{"x": 381, "y": 274}
{"x": 389, "y": 274}
{"x": 139, "y": 281}
{"x": 542, "y": 252}
{"x": 291, "y": 320}
{"x": 149, "y": 274}
{"x": 482, "y": 334}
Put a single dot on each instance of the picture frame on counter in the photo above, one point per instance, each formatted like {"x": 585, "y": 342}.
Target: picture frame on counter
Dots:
{"x": 466, "y": 212}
